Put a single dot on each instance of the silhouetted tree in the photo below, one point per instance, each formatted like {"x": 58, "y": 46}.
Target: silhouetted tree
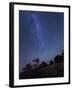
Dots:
{"x": 36, "y": 60}
{"x": 57, "y": 59}
{"x": 51, "y": 62}
{"x": 27, "y": 68}
{"x": 62, "y": 54}
{"x": 24, "y": 69}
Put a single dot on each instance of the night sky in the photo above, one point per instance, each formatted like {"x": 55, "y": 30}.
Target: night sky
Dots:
{"x": 41, "y": 34}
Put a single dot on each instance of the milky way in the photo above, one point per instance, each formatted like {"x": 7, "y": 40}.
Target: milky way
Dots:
{"x": 39, "y": 30}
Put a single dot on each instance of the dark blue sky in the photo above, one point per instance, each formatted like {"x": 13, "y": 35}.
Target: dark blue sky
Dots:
{"x": 41, "y": 34}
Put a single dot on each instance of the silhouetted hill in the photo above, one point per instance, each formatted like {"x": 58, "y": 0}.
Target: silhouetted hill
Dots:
{"x": 53, "y": 70}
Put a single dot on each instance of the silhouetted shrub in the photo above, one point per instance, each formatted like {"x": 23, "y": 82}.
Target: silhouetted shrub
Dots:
{"x": 43, "y": 64}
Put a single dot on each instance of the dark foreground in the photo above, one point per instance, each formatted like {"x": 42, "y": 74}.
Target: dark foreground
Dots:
{"x": 47, "y": 71}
